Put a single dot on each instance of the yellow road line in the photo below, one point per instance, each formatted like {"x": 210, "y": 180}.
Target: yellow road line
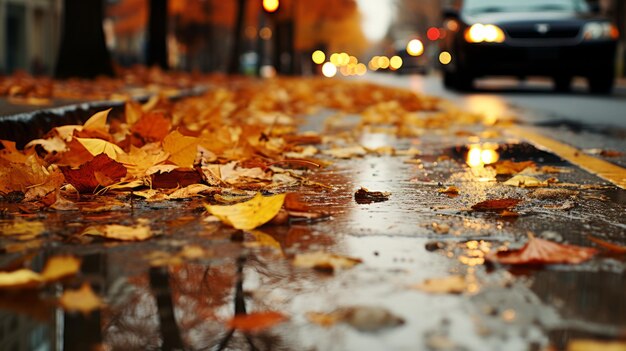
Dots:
{"x": 605, "y": 170}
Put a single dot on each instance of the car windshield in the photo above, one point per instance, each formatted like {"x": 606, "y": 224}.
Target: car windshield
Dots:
{"x": 485, "y": 6}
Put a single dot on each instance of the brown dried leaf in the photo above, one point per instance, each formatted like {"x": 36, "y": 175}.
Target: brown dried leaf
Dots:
{"x": 539, "y": 251}
{"x": 507, "y": 167}
{"x": 90, "y": 175}
{"x": 496, "y": 205}
{"x": 364, "y": 196}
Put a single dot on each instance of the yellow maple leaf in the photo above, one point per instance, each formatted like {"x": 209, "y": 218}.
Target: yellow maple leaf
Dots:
{"x": 182, "y": 149}
{"x": 139, "y": 160}
{"x": 99, "y": 146}
{"x": 98, "y": 121}
{"x": 82, "y": 300}
{"x": 249, "y": 214}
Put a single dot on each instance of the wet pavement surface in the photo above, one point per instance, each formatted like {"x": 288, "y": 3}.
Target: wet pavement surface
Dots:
{"x": 177, "y": 290}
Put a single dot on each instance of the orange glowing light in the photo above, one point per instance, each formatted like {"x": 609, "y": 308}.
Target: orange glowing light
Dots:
{"x": 395, "y": 62}
{"x": 480, "y": 155}
{"x": 271, "y": 5}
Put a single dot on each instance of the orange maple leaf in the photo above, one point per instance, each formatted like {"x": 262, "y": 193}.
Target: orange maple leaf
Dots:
{"x": 151, "y": 127}
{"x": 539, "y": 251}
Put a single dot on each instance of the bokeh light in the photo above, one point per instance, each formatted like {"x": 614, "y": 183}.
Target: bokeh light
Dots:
{"x": 329, "y": 70}
{"x": 445, "y": 58}
{"x": 433, "y": 33}
{"x": 415, "y": 47}
{"x": 271, "y": 5}
{"x": 318, "y": 57}
{"x": 395, "y": 62}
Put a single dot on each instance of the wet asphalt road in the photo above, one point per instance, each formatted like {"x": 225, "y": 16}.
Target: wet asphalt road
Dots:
{"x": 577, "y": 118}
{"x": 398, "y": 240}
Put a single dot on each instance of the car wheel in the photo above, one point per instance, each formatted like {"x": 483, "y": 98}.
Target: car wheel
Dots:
{"x": 563, "y": 83}
{"x": 601, "y": 83}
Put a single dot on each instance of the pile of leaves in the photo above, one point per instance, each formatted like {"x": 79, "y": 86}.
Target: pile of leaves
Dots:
{"x": 237, "y": 140}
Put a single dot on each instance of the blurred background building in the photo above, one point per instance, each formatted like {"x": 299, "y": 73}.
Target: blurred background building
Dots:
{"x": 201, "y": 33}
{"x": 29, "y": 35}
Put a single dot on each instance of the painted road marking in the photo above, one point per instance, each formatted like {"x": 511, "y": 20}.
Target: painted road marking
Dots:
{"x": 603, "y": 169}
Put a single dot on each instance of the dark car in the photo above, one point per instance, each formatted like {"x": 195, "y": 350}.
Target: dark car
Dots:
{"x": 555, "y": 38}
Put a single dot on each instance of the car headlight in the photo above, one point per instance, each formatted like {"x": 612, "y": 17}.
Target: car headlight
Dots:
{"x": 600, "y": 30}
{"x": 479, "y": 33}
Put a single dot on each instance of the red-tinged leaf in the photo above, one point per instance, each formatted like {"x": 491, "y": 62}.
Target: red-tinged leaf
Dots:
{"x": 180, "y": 177}
{"x": 89, "y": 175}
{"x": 151, "y": 127}
{"x": 257, "y": 321}
{"x": 540, "y": 251}
{"x": 496, "y": 205}
{"x": 619, "y": 249}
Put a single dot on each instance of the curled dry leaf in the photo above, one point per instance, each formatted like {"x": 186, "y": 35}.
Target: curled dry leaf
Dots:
{"x": 101, "y": 171}
{"x": 256, "y": 321}
{"x": 539, "y": 251}
{"x": 454, "y": 284}
{"x": 138, "y": 232}
{"x": 364, "y": 196}
{"x": 99, "y": 146}
{"x": 496, "y": 205}
{"x": 324, "y": 261}
{"x": 451, "y": 190}
{"x": 507, "y": 167}
{"x": 83, "y": 300}
{"x": 249, "y": 214}
{"x": 524, "y": 181}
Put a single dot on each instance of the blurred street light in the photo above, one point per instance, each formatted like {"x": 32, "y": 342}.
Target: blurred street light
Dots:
{"x": 415, "y": 47}
{"x": 271, "y": 6}
{"x": 318, "y": 57}
{"x": 445, "y": 58}
{"x": 329, "y": 70}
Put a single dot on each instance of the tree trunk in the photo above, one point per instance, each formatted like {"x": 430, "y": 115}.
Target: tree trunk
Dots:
{"x": 157, "y": 34}
{"x": 83, "y": 51}
{"x": 233, "y": 67}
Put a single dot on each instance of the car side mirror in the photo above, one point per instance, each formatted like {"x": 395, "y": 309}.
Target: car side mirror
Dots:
{"x": 450, "y": 13}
